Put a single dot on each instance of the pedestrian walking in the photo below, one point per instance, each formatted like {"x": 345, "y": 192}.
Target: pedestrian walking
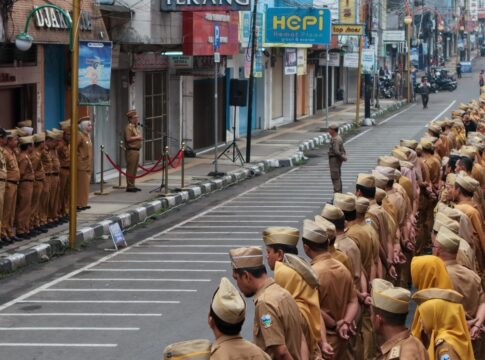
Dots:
{"x": 133, "y": 140}
{"x": 481, "y": 81}
{"x": 424, "y": 91}
{"x": 336, "y": 156}
{"x": 458, "y": 70}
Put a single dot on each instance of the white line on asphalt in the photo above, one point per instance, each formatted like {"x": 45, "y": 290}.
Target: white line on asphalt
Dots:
{"x": 139, "y": 279}
{"x": 172, "y": 261}
{"x": 56, "y": 345}
{"x": 216, "y": 232}
{"x": 241, "y": 221}
{"x": 175, "y": 253}
{"x": 99, "y": 301}
{"x": 267, "y": 206}
{"x": 259, "y": 211}
{"x": 222, "y": 226}
{"x": 195, "y": 239}
{"x": 196, "y": 246}
{"x": 120, "y": 290}
{"x": 276, "y": 202}
{"x": 445, "y": 110}
{"x": 69, "y": 328}
{"x": 356, "y": 137}
{"x": 249, "y": 215}
{"x": 82, "y": 314}
{"x": 393, "y": 116}
{"x": 156, "y": 270}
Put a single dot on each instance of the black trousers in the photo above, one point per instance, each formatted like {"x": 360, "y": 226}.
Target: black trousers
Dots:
{"x": 425, "y": 98}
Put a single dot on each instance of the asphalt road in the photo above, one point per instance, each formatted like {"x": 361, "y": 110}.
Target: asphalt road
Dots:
{"x": 130, "y": 304}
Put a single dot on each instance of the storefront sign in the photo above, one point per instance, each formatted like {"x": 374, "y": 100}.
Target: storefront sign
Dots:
{"x": 334, "y": 60}
{"x": 204, "y": 5}
{"x": 393, "y": 36}
{"x": 181, "y": 62}
{"x": 298, "y": 26}
{"x": 368, "y": 61}
{"x": 150, "y": 61}
{"x": 257, "y": 66}
{"x": 245, "y": 29}
{"x": 290, "y": 61}
{"x": 51, "y": 18}
{"x": 347, "y": 11}
{"x": 347, "y": 29}
{"x": 301, "y": 62}
{"x": 94, "y": 72}
{"x": 6, "y": 77}
{"x": 351, "y": 60}
{"x": 332, "y": 5}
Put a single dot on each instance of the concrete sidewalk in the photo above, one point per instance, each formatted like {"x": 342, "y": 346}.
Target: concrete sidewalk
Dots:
{"x": 281, "y": 147}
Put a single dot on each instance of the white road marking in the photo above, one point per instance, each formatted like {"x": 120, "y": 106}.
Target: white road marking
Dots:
{"x": 157, "y": 270}
{"x": 99, "y": 302}
{"x": 215, "y": 232}
{"x": 83, "y": 314}
{"x": 393, "y": 116}
{"x": 357, "y": 136}
{"x": 139, "y": 279}
{"x": 120, "y": 290}
{"x": 225, "y": 226}
{"x": 197, "y": 246}
{"x": 172, "y": 261}
{"x": 69, "y": 328}
{"x": 239, "y": 221}
{"x": 57, "y": 345}
{"x": 195, "y": 239}
{"x": 445, "y": 110}
{"x": 176, "y": 253}
{"x": 254, "y": 212}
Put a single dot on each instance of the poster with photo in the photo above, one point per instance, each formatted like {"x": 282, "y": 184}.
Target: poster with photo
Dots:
{"x": 291, "y": 61}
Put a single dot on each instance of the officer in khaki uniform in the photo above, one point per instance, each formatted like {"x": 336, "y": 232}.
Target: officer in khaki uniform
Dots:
{"x": 25, "y": 187}
{"x": 39, "y": 183}
{"x": 336, "y": 156}
{"x": 53, "y": 175}
{"x": 84, "y": 162}
{"x": 133, "y": 140}
{"x": 390, "y": 306}
{"x": 280, "y": 240}
{"x": 46, "y": 160}
{"x": 13, "y": 177}
{"x": 277, "y": 328}
{"x": 226, "y": 317}
{"x": 3, "y": 178}
{"x": 188, "y": 350}
{"x": 63, "y": 153}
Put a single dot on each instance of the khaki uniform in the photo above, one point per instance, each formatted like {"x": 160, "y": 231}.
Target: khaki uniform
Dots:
{"x": 64, "y": 173}
{"x": 379, "y": 221}
{"x": 444, "y": 351}
{"x": 336, "y": 291}
{"x": 277, "y": 319}
{"x": 236, "y": 348}
{"x": 132, "y": 153}
{"x": 335, "y": 159}
{"x": 341, "y": 257}
{"x": 53, "y": 178}
{"x": 46, "y": 160}
{"x": 10, "y": 199}
{"x": 84, "y": 168}
{"x": 403, "y": 346}
{"x": 39, "y": 185}
{"x": 3, "y": 181}
{"x": 24, "y": 194}
{"x": 350, "y": 248}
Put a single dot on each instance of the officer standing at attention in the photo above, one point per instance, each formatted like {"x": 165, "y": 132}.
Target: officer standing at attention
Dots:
{"x": 84, "y": 162}
{"x": 226, "y": 317}
{"x": 133, "y": 141}
{"x": 336, "y": 156}
{"x": 3, "y": 177}
{"x": 13, "y": 177}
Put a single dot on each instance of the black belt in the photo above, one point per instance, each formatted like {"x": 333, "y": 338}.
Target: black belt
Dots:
{"x": 13, "y": 182}
{"x": 52, "y": 174}
{"x": 25, "y": 180}
{"x": 4, "y": 180}
{"x": 65, "y": 167}
{"x": 134, "y": 149}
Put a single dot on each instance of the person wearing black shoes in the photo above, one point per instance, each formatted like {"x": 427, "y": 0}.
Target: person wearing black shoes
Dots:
{"x": 133, "y": 142}
{"x": 424, "y": 91}
{"x": 3, "y": 176}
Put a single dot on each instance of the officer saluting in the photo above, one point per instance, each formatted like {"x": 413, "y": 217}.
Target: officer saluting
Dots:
{"x": 133, "y": 139}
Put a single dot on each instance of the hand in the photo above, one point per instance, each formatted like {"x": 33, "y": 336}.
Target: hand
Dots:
{"x": 327, "y": 350}
{"x": 344, "y": 157}
{"x": 392, "y": 272}
{"x": 410, "y": 246}
{"x": 343, "y": 330}
{"x": 475, "y": 332}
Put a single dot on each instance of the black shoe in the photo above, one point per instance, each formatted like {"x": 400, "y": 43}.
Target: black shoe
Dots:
{"x": 34, "y": 232}
{"x": 42, "y": 229}
{"x": 23, "y": 236}
{"x": 86, "y": 207}
{"x": 131, "y": 190}
{"x": 7, "y": 240}
{"x": 15, "y": 238}
{"x": 137, "y": 189}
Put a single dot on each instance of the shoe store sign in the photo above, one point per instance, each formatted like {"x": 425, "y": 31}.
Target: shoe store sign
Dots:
{"x": 204, "y": 5}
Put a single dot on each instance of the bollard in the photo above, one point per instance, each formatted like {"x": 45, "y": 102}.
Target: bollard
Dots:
{"x": 182, "y": 170}
{"x": 166, "y": 160}
{"x": 101, "y": 183}
{"x": 120, "y": 152}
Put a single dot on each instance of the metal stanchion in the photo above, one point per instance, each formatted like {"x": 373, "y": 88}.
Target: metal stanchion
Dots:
{"x": 166, "y": 160}
{"x": 182, "y": 170}
{"x": 120, "y": 152}
{"x": 101, "y": 182}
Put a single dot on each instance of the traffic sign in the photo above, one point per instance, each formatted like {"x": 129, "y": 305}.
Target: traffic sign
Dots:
{"x": 217, "y": 37}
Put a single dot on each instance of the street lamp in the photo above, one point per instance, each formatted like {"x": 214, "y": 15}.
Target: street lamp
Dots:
{"x": 408, "y": 20}
{"x": 23, "y": 42}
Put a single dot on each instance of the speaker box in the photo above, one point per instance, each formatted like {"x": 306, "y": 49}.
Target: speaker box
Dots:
{"x": 238, "y": 93}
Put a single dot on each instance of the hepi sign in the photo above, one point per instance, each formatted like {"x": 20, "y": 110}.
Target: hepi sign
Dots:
{"x": 298, "y": 26}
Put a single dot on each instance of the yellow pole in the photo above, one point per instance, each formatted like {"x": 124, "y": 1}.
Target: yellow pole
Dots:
{"x": 408, "y": 63}
{"x": 74, "y": 118}
{"x": 359, "y": 81}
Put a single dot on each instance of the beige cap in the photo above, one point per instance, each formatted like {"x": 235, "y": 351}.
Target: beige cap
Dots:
{"x": 467, "y": 182}
{"x": 447, "y": 122}
{"x": 12, "y": 133}
{"x": 390, "y": 161}
{"x": 26, "y": 131}
{"x": 51, "y": 134}
{"x": 380, "y": 195}
{"x": 381, "y": 180}
{"x": 26, "y": 140}
{"x": 192, "y": 349}
{"x": 331, "y": 212}
{"x": 434, "y": 127}
{"x": 397, "y": 175}
{"x": 451, "y": 179}
{"x": 284, "y": 235}
{"x": 452, "y": 213}
{"x": 442, "y": 220}
{"x": 131, "y": 113}
{"x": 463, "y": 106}
{"x": 344, "y": 202}
{"x": 448, "y": 239}
{"x": 246, "y": 257}
{"x": 39, "y": 137}
{"x": 22, "y": 132}
{"x": 409, "y": 143}
{"x": 399, "y": 154}
{"x": 387, "y": 171}
{"x": 435, "y": 293}
{"x": 302, "y": 267}
{"x": 406, "y": 164}
{"x": 228, "y": 304}
{"x": 84, "y": 118}
{"x": 333, "y": 126}
{"x": 426, "y": 144}
{"x": 366, "y": 180}
{"x": 314, "y": 232}
{"x": 327, "y": 226}
{"x": 27, "y": 123}
{"x": 362, "y": 205}
{"x": 469, "y": 151}
{"x": 389, "y": 298}
{"x": 66, "y": 124}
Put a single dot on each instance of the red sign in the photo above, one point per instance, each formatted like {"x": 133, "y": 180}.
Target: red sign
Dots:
{"x": 198, "y": 32}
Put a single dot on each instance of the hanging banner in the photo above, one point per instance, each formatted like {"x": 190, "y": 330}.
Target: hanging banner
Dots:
{"x": 94, "y": 72}
{"x": 347, "y": 13}
{"x": 368, "y": 61}
{"x": 291, "y": 61}
{"x": 257, "y": 66}
{"x": 301, "y": 61}
{"x": 351, "y": 60}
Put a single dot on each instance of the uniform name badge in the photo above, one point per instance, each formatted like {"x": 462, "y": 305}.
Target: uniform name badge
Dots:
{"x": 266, "y": 321}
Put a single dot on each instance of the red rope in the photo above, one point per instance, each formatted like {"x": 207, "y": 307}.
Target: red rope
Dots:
{"x": 121, "y": 170}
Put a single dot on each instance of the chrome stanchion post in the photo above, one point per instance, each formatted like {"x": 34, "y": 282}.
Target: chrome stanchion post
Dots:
{"x": 120, "y": 152}
{"x": 182, "y": 170}
{"x": 166, "y": 163}
{"x": 101, "y": 182}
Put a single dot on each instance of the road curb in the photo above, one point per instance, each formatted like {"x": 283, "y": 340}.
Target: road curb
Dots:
{"x": 46, "y": 248}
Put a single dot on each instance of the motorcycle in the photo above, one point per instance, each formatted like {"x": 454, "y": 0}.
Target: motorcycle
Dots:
{"x": 386, "y": 87}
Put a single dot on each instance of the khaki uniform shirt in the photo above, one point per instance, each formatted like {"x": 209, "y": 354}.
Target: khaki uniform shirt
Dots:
{"x": 130, "y": 131}
{"x": 277, "y": 319}
{"x": 3, "y": 164}
{"x": 379, "y": 222}
{"x": 407, "y": 185}
{"x": 37, "y": 165}
{"x": 364, "y": 237}
{"x": 403, "y": 346}
{"x": 342, "y": 257}
{"x": 56, "y": 165}
{"x": 350, "y": 248}
{"x": 63, "y": 154}
{"x": 236, "y": 348}
{"x": 336, "y": 288}
{"x": 467, "y": 283}
{"x": 478, "y": 232}
{"x": 13, "y": 173}
{"x": 336, "y": 148}
{"x": 434, "y": 168}
{"x": 25, "y": 167}
{"x": 46, "y": 159}
{"x": 444, "y": 351}
{"x": 84, "y": 152}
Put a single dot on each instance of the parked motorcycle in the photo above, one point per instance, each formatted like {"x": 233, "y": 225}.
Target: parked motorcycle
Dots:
{"x": 386, "y": 87}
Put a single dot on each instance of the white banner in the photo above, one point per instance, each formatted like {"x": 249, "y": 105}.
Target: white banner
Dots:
{"x": 368, "y": 61}
{"x": 393, "y": 36}
{"x": 351, "y": 60}
{"x": 334, "y": 60}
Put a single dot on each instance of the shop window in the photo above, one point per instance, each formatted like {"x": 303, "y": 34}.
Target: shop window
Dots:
{"x": 11, "y": 56}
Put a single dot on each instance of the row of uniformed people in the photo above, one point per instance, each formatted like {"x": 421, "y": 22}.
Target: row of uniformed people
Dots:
{"x": 34, "y": 178}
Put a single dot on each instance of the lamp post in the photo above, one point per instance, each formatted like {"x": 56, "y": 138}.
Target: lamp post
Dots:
{"x": 408, "y": 20}
{"x": 24, "y": 41}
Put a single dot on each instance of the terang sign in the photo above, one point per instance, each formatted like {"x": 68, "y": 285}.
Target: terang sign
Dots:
{"x": 204, "y": 5}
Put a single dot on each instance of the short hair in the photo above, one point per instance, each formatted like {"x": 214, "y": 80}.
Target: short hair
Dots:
{"x": 224, "y": 327}
{"x": 350, "y": 215}
{"x": 464, "y": 191}
{"x": 256, "y": 272}
{"x": 367, "y": 192}
{"x": 429, "y": 151}
{"x": 287, "y": 249}
{"x": 391, "y": 318}
{"x": 390, "y": 183}
{"x": 452, "y": 162}
{"x": 318, "y": 247}
{"x": 339, "y": 223}
{"x": 24, "y": 146}
{"x": 467, "y": 163}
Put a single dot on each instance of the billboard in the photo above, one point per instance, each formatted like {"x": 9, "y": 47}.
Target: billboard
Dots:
{"x": 189, "y": 5}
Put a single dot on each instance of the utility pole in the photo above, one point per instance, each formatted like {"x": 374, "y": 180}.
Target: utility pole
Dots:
{"x": 368, "y": 77}
{"x": 251, "y": 82}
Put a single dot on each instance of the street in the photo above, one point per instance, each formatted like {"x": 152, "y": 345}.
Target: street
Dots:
{"x": 131, "y": 304}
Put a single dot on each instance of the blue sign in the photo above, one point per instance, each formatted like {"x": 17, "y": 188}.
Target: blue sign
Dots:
{"x": 217, "y": 37}
{"x": 298, "y": 26}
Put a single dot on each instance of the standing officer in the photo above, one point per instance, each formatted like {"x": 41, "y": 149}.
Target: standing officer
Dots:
{"x": 25, "y": 187}
{"x": 65, "y": 161}
{"x": 336, "y": 156}
{"x": 84, "y": 162}
{"x": 39, "y": 184}
{"x": 53, "y": 175}
{"x": 10, "y": 199}
{"x": 3, "y": 177}
{"x": 133, "y": 141}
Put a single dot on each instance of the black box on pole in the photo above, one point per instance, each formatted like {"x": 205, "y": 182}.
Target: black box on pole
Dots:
{"x": 238, "y": 92}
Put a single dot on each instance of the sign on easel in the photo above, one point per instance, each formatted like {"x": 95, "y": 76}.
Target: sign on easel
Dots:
{"x": 117, "y": 236}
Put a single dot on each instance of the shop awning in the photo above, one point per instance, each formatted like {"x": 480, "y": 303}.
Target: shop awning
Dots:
{"x": 116, "y": 11}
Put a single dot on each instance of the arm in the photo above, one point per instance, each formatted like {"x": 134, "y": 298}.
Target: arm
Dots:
{"x": 280, "y": 352}
{"x": 129, "y": 137}
{"x": 476, "y": 328}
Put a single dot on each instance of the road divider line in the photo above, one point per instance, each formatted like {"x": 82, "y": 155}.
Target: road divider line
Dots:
{"x": 69, "y": 328}
{"x": 57, "y": 345}
{"x": 119, "y": 290}
{"x": 445, "y": 110}
{"x": 177, "y": 253}
{"x": 99, "y": 301}
{"x": 157, "y": 270}
{"x": 357, "y": 136}
{"x": 141, "y": 280}
{"x": 395, "y": 115}
{"x": 103, "y": 314}
{"x": 172, "y": 261}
